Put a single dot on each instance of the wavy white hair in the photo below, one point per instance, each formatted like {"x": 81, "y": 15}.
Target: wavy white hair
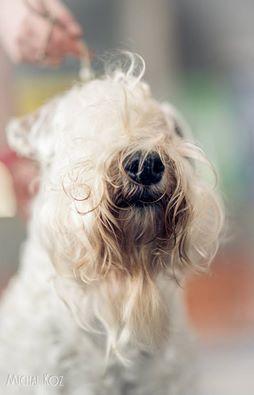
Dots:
{"x": 119, "y": 258}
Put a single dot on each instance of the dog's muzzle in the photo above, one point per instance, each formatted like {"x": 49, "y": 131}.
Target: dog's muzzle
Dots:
{"x": 148, "y": 171}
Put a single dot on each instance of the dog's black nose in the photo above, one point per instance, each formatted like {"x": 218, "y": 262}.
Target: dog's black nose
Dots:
{"x": 146, "y": 171}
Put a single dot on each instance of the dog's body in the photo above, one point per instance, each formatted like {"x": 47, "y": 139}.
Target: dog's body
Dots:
{"x": 121, "y": 214}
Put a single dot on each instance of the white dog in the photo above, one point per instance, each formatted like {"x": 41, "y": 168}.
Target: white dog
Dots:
{"x": 123, "y": 212}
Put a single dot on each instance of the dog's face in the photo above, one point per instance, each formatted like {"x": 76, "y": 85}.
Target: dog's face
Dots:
{"x": 123, "y": 200}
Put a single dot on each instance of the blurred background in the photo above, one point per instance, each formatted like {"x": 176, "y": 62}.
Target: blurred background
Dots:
{"x": 199, "y": 55}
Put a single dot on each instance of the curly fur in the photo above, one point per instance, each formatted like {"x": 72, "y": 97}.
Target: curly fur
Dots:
{"x": 116, "y": 265}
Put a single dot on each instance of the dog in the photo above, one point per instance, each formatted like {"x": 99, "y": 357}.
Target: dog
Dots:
{"x": 123, "y": 213}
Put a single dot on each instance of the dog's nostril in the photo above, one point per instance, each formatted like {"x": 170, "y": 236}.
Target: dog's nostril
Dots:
{"x": 158, "y": 166}
{"x": 146, "y": 171}
{"x": 133, "y": 166}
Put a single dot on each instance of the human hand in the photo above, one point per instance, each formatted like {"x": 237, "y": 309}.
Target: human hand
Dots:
{"x": 28, "y": 36}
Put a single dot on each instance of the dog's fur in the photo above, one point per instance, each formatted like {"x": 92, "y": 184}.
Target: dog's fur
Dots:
{"x": 97, "y": 298}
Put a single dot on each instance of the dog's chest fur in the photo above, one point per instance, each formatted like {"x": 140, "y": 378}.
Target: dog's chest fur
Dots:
{"x": 39, "y": 336}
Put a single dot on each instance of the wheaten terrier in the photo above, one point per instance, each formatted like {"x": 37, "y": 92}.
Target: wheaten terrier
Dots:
{"x": 124, "y": 211}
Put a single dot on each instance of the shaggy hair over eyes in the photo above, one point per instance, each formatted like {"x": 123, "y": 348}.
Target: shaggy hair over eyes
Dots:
{"x": 118, "y": 255}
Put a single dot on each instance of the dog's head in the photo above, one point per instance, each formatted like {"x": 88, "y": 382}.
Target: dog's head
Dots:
{"x": 122, "y": 197}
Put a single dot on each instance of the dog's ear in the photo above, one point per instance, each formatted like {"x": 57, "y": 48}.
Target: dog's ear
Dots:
{"x": 32, "y": 136}
{"x": 175, "y": 119}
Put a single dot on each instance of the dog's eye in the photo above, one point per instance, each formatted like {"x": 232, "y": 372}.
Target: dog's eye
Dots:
{"x": 178, "y": 130}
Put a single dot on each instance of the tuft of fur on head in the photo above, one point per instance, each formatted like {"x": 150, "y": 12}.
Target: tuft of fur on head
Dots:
{"x": 120, "y": 253}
